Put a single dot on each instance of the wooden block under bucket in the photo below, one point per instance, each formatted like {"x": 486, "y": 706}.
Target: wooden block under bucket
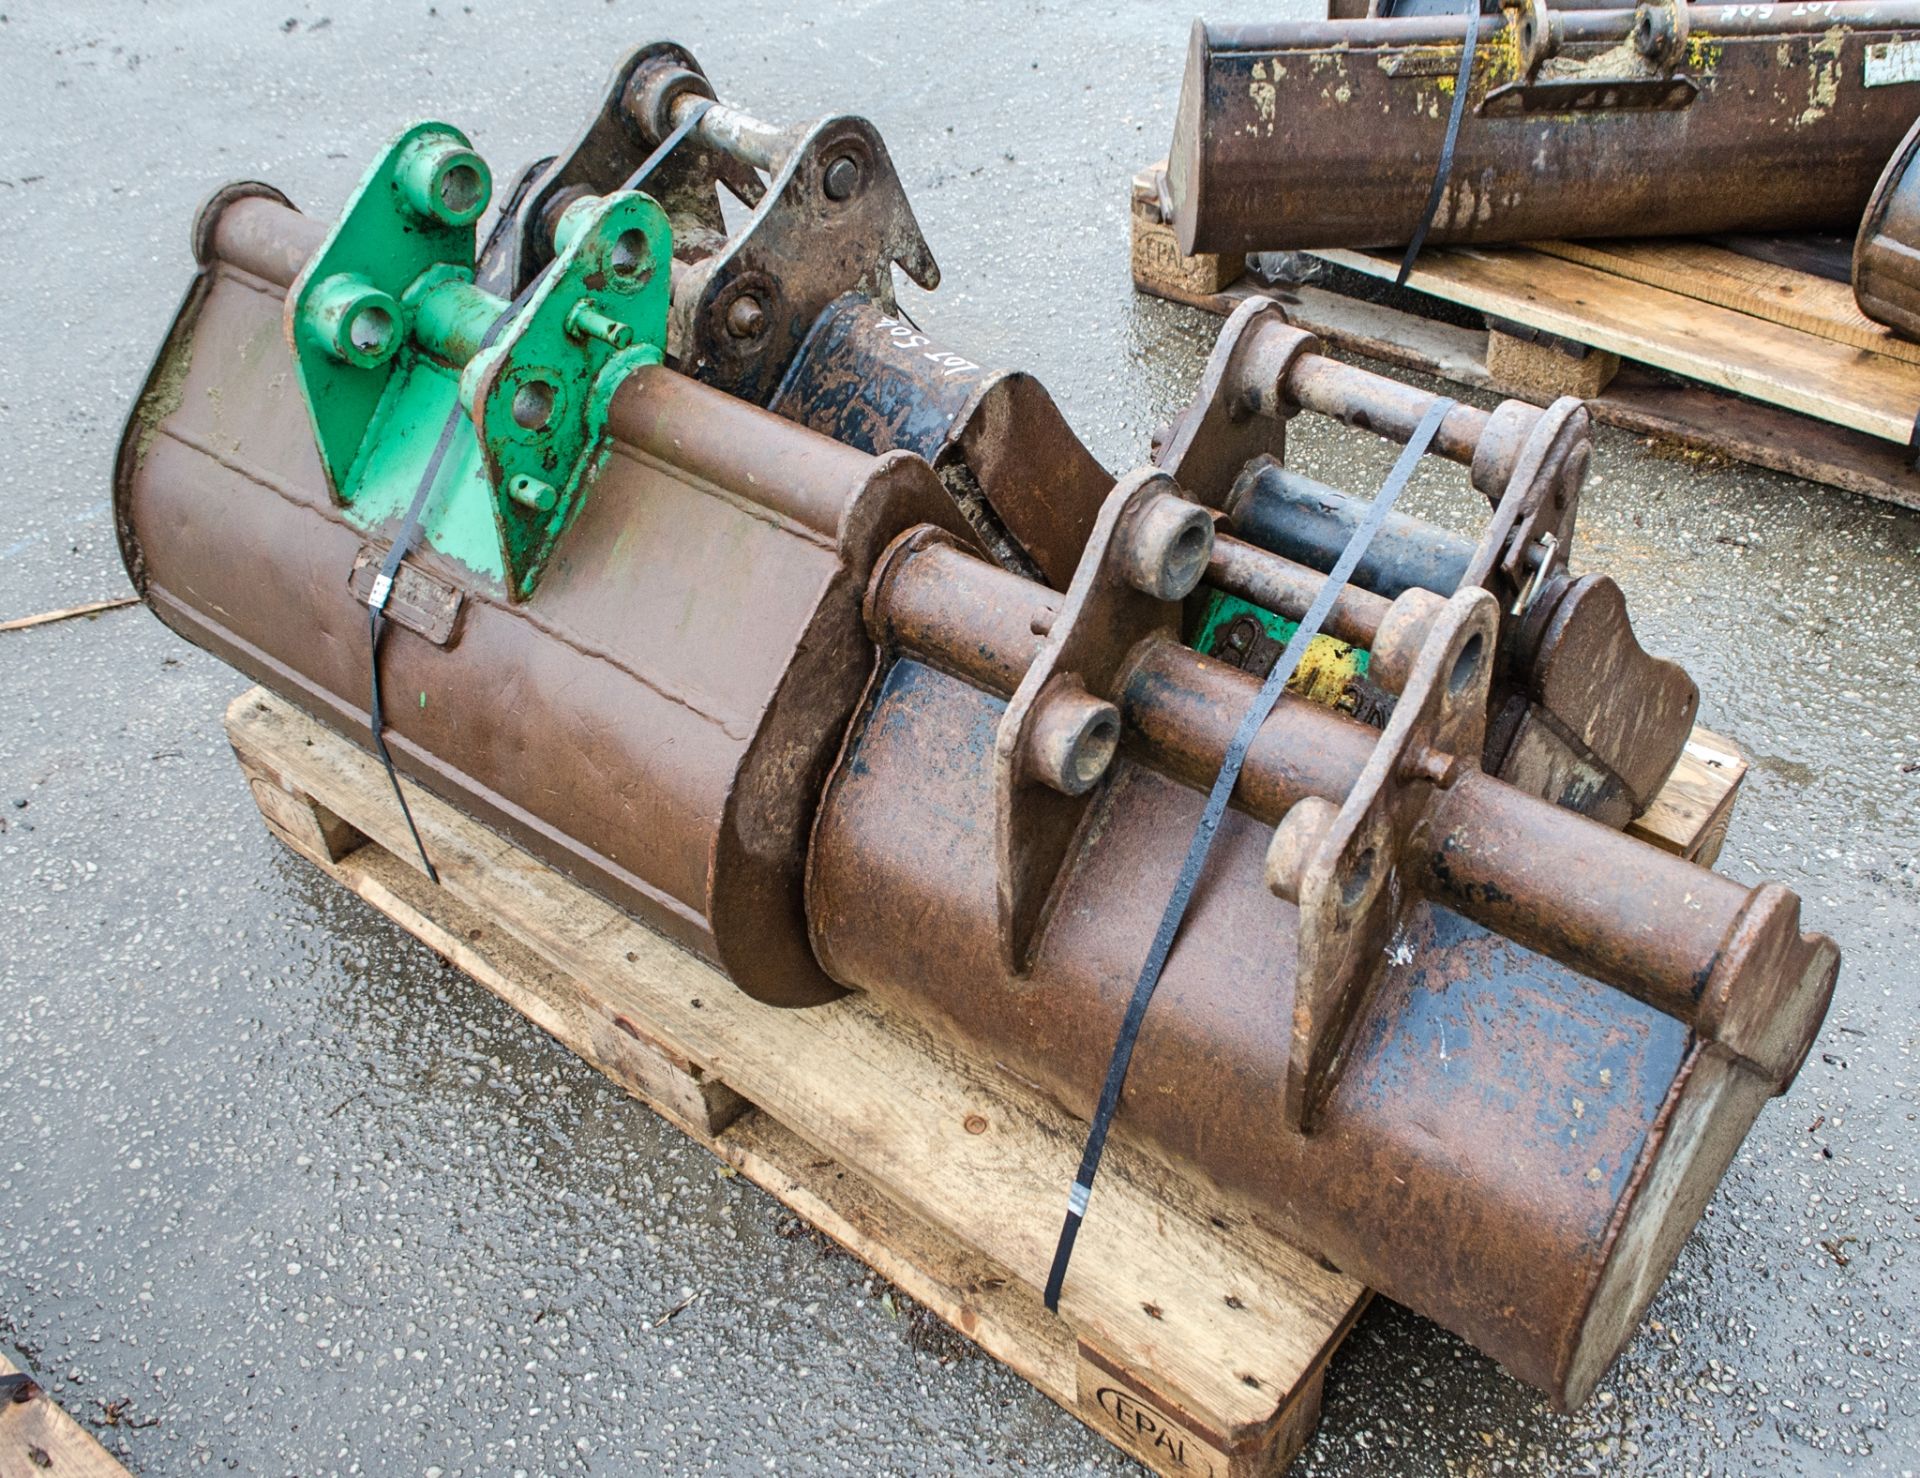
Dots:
{"x": 1543, "y": 367}
{"x": 1159, "y": 267}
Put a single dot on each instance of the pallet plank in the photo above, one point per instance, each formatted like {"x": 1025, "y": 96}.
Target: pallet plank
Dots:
{"x": 1712, "y": 274}
{"x": 37, "y": 1438}
{"x": 1717, "y": 346}
{"x": 1766, "y": 436}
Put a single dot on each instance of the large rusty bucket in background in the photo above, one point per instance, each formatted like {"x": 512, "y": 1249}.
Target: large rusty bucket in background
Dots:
{"x": 1669, "y": 119}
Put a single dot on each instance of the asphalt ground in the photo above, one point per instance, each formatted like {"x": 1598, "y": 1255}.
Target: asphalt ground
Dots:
{"x": 281, "y": 1192}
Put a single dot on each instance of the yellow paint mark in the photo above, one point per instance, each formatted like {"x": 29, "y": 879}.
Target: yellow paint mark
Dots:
{"x": 1506, "y": 61}
{"x": 1704, "y": 53}
{"x": 1823, "y": 76}
{"x": 1326, "y": 673}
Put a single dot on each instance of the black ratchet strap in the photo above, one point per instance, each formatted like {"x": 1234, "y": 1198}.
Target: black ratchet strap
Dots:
{"x": 377, "y": 596}
{"x": 1204, "y": 833}
{"x": 382, "y": 588}
{"x": 1444, "y": 167}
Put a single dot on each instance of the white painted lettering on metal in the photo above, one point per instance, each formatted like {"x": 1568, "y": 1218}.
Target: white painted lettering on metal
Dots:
{"x": 905, "y": 336}
{"x": 1888, "y": 62}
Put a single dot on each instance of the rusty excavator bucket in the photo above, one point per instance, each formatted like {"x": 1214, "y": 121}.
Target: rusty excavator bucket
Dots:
{"x": 788, "y": 699}
{"x": 795, "y": 309}
{"x": 1660, "y": 119}
{"x": 1580, "y": 714}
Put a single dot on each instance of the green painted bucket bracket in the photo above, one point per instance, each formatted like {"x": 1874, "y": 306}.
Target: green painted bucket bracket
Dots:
{"x": 397, "y": 350}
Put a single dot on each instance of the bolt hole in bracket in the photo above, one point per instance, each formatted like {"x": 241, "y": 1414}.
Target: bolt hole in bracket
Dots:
{"x": 835, "y": 219}
{"x": 392, "y": 340}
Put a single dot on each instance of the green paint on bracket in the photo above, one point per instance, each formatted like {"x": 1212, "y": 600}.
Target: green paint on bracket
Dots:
{"x": 1222, "y": 610}
{"x": 391, "y": 341}
{"x": 459, "y": 520}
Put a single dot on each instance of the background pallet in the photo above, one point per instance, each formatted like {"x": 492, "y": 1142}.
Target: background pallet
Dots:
{"x": 1685, "y": 341}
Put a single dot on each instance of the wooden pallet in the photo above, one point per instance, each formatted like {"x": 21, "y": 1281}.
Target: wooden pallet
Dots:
{"x": 1680, "y": 340}
{"x": 1692, "y": 811}
{"x": 1188, "y": 1337}
{"x": 38, "y": 1439}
